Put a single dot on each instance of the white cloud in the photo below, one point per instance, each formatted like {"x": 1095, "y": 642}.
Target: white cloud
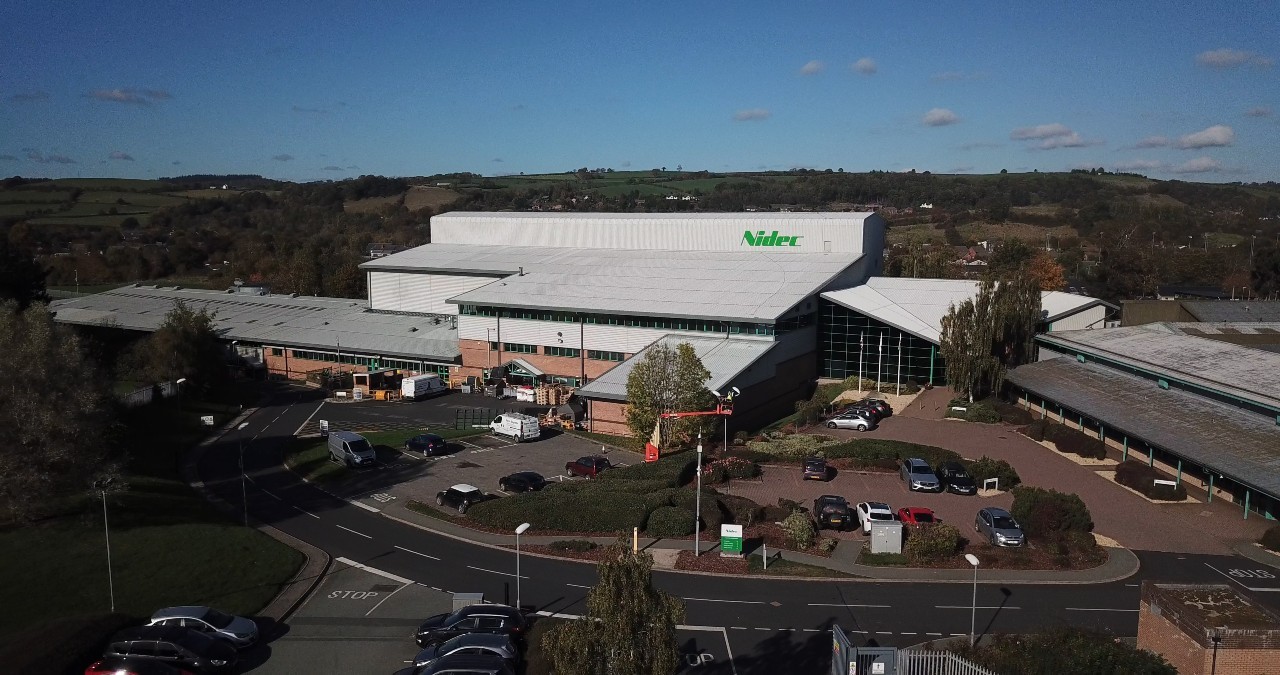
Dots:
{"x": 981, "y": 145}
{"x": 1153, "y": 142}
{"x": 1216, "y": 136}
{"x": 1139, "y": 165}
{"x": 812, "y": 68}
{"x": 331, "y": 168}
{"x": 1199, "y": 165}
{"x": 121, "y": 156}
{"x": 1231, "y": 58}
{"x": 865, "y": 65}
{"x": 133, "y": 96}
{"x": 751, "y": 115}
{"x": 1040, "y": 131}
{"x": 282, "y": 158}
{"x": 1258, "y": 111}
{"x": 311, "y": 111}
{"x": 962, "y": 169}
{"x": 1071, "y": 140}
{"x": 939, "y": 117}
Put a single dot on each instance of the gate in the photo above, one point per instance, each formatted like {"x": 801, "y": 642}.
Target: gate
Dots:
{"x": 848, "y": 659}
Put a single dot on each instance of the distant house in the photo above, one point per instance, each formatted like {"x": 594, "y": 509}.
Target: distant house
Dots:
{"x": 380, "y": 249}
{"x": 927, "y": 205}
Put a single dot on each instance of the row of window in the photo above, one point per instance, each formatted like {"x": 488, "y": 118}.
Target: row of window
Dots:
{"x": 698, "y": 325}
{"x": 597, "y": 355}
{"x": 561, "y": 351}
{"x": 571, "y": 352}
{"x": 360, "y": 360}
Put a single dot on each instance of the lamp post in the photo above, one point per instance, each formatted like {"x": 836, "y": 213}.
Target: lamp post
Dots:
{"x": 179, "y": 383}
{"x": 973, "y": 612}
{"x": 244, "y": 494}
{"x": 101, "y": 485}
{"x": 697, "y": 504}
{"x": 524, "y": 527}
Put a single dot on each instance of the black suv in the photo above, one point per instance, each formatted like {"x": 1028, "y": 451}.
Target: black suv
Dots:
{"x": 502, "y": 619}
{"x": 522, "y": 481}
{"x": 179, "y": 647}
{"x": 956, "y": 478}
{"x": 832, "y": 511}
{"x": 460, "y": 497}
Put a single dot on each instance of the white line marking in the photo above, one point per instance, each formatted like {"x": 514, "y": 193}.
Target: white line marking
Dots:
{"x": 821, "y": 604}
{"x": 306, "y": 511}
{"x": 738, "y": 627}
{"x": 863, "y": 632}
{"x": 1133, "y": 585}
{"x": 308, "y": 420}
{"x": 505, "y": 574}
{"x": 908, "y": 633}
{"x": 736, "y": 602}
{"x": 270, "y": 494}
{"x": 814, "y": 630}
{"x": 366, "y": 507}
{"x": 957, "y": 634}
{"x": 1247, "y": 588}
{"x": 729, "y": 649}
{"x": 578, "y": 586}
{"x": 372, "y": 570}
{"x": 883, "y": 632}
{"x": 1096, "y": 609}
{"x": 354, "y": 532}
{"x": 939, "y": 634}
{"x": 415, "y": 552}
{"x": 971, "y": 607}
{"x": 764, "y": 629}
{"x": 386, "y": 598}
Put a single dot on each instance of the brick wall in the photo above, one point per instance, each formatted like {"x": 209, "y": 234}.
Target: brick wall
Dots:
{"x": 476, "y": 356}
{"x": 297, "y": 369}
{"x": 608, "y": 417}
{"x": 1157, "y": 634}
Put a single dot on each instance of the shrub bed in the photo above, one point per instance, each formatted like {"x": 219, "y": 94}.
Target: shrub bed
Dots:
{"x": 1271, "y": 539}
{"x": 799, "y": 530}
{"x": 859, "y": 452}
{"x": 676, "y": 470}
{"x": 928, "y": 543}
{"x": 1074, "y": 441}
{"x": 1011, "y": 413}
{"x": 574, "y": 545}
{"x": 978, "y": 411}
{"x": 670, "y": 521}
{"x": 1134, "y": 474}
{"x": 729, "y": 468}
{"x": 1042, "y": 512}
{"x": 986, "y": 467}
{"x": 564, "y": 511}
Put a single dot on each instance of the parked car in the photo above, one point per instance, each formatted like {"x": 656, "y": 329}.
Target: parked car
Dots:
{"x": 501, "y": 619}
{"x": 917, "y": 515}
{"x": 880, "y": 404}
{"x": 869, "y": 512}
{"x": 956, "y": 478}
{"x": 351, "y": 449}
{"x": 122, "y": 665}
{"x": 832, "y": 511}
{"x": 179, "y": 647}
{"x": 860, "y": 420}
{"x": 858, "y": 409}
{"x": 522, "y": 481}
{"x": 237, "y": 630}
{"x": 460, "y": 664}
{"x": 430, "y": 445}
{"x": 816, "y": 468}
{"x": 589, "y": 467}
{"x": 917, "y": 475}
{"x": 999, "y": 527}
{"x": 470, "y": 643}
{"x": 460, "y": 497}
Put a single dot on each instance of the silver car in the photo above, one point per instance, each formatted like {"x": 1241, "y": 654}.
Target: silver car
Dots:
{"x": 999, "y": 527}
{"x": 470, "y": 643}
{"x": 859, "y": 420}
{"x": 237, "y": 630}
{"x": 918, "y": 475}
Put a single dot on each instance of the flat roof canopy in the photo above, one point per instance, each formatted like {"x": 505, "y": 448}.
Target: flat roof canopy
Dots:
{"x": 724, "y": 358}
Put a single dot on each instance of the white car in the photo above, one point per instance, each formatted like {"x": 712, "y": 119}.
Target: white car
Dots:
{"x": 852, "y": 421}
{"x": 237, "y": 630}
{"x": 869, "y": 512}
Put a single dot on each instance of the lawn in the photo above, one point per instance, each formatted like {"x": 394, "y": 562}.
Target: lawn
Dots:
{"x": 788, "y": 568}
{"x": 622, "y": 442}
{"x": 309, "y": 457}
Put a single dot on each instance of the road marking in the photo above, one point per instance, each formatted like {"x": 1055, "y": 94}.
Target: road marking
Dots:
{"x": 764, "y": 629}
{"x": 883, "y": 632}
{"x": 971, "y": 607}
{"x": 815, "y": 630}
{"x": 1096, "y": 609}
{"x": 898, "y": 633}
{"x": 269, "y": 493}
{"x": 729, "y": 649}
{"x": 938, "y": 634}
{"x": 386, "y": 598}
{"x": 308, "y": 420}
{"x": 306, "y": 511}
{"x": 578, "y": 586}
{"x": 736, "y": 602}
{"x": 823, "y": 604}
{"x": 415, "y": 552}
{"x": 354, "y": 532}
{"x": 366, "y": 507}
{"x": 373, "y": 570}
{"x": 1133, "y": 585}
{"x": 738, "y": 627}
{"x": 505, "y": 574}
{"x": 957, "y": 635}
{"x": 1247, "y": 588}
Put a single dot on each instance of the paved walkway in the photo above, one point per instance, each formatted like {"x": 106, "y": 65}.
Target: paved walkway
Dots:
{"x": 930, "y": 404}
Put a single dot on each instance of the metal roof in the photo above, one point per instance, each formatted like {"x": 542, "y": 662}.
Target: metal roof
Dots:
{"x": 723, "y": 358}
{"x": 1228, "y": 440}
{"x": 306, "y": 322}
{"x": 1238, "y": 310}
{"x": 917, "y": 306}
{"x": 718, "y": 285}
{"x": 1243, "y": 372}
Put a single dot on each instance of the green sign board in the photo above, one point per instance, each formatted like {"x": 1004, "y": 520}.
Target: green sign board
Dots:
{"x": 759, "y": 238}
{"x": 731, "y": 540}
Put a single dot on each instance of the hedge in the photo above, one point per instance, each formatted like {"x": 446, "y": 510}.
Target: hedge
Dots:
{"x": 1271, "y": 539}
{"x": 928, "y": 543}
{"x": 670, "y": 521}
{"x": 986, "y": 467}
{"x": 675, "y": 470}
{"x": 1043, "y": 512}
{"x": 564, "y": 510}
{"x": 575, "y": 545}
{"x": 864, "y": 452}
{"x": 978, "y": 411}
{"x": 1137, "y": 475}
{"x": 1075, "y": 441}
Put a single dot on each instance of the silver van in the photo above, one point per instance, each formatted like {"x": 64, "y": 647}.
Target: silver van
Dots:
{"x": 350, "y": 449}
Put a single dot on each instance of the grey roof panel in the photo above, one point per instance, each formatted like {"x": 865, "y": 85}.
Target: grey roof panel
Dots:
{"x": 724, "y": 358}
{"x": 1233, "y": 310}
{"x": 1223, "y": 438}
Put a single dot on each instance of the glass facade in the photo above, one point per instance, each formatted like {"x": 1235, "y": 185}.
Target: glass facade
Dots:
{"x": 689, "y": 324}
{"x": 847, "y": 338}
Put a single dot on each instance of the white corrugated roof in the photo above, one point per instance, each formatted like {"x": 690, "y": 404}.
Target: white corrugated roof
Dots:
{"x": 320, "y": 323}
{"x": 917, "y": 306}
{"x": 724, "y": 358}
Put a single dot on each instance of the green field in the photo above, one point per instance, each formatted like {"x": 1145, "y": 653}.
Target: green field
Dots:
{"x": 127, "y": 184}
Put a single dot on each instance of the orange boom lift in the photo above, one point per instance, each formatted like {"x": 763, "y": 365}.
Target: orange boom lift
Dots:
{"x": 724, "y": 408}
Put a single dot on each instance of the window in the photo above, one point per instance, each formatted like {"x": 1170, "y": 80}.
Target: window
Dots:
{"x": 597, "y": 355}
{"x": 493, "y": 346}
{"x": 561, "y": 351}
{"x": 276, "y": 351}
{"x": 516, "y": 348}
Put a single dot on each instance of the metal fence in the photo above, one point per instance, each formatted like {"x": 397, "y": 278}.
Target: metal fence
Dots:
{"x": 854, "y": 660}
{"x": 144, "y": 395}
{"x": 936, "y": 663}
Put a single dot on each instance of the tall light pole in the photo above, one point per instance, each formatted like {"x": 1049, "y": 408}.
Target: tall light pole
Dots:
{"x": 697, "y": 501}
{"x": 524, "y": 527}
{"x": 244, "y": 494}
{"x": 973, "y": 612}
{"x": 101, "y": 485}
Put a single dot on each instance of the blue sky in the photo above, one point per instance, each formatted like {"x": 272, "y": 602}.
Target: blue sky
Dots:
{"x": 319, "y": 90}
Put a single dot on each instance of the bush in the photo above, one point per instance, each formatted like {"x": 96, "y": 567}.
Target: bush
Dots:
{"x": 740, "y": 510}
{"x": 575, "y": 545}
{"x": 1044, "y": 512}
{"x": 740, "y": 438}
{"x": 931, "y": 542}
{"x": 669, "y": 521}
{"x": 788, "y": 504}
{"x": 799, "y": 530}
{"x": 564, "y": 511}
{"x": 884, "y": 453}
{"x": 1036, "y": 430}
{"x": 750, "y": 455}
{"x": 1137, "y": 475}
{"x": 675, "y": 470}
{"x": 827, "y": 544}
{"x": 1271, "y": 539}
{"x": 978, "y": 411}
{"x": 1065, "y": 651}
{"x": 1010, "y": 413}
{"x": 1074, "y": 441}
{"x": 729, "y": 468}
{"x": 986, "y": 467}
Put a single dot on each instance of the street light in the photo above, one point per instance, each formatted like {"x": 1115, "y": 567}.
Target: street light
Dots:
{"x": 697, "y": 501}
{"x": 244, "y": 494}
{"x": 524, "y": 527}
{"x": 973, "y": 612}
{"x": 101, "y": 485}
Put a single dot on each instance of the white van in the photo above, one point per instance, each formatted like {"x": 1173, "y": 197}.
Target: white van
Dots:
{"x": 350, "y": 449}
{"x": 421, "y": 386}
{"x": 518, "y": 426}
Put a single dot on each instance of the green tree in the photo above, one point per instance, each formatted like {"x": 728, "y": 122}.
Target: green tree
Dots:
{"x": 1266, "y": 272}
{"x": 629, "y": 627}
{"x": 54, "y": 408}
{"x": 985, "y": 336}
{"x": 187, "y": 345}
{"x": 21, "y": 277}
{"x": 667, "y": 380}
{"x": 1066, "y": 651}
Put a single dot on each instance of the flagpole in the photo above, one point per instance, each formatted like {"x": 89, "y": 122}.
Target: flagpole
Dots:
{"x": 880, "y": 361}
{"x": 861, "y": 342}
{"x": 899, "y": 364}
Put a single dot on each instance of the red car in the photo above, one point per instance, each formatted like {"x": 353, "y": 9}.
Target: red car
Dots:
{"x": 587, "y": 466}
{"x": 917, "y": 515}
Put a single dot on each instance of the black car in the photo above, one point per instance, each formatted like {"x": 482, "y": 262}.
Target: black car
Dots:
{"x": 832, "y": 511}
{"x": 816, "y": 468}
{"x": 472, "y": 619}
{"x": 180, "y": 647}
{"x": 118, "y": 665}
{"x": 863, "y": 409}
{"x": 956, "y": 478}
{"x": 430, "y": 445}
{"x": 460, "y": 497}
{"x": 522, "y": 481}
{"x": 471, "y": 664}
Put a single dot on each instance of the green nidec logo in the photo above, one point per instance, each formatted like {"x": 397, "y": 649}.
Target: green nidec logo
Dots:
{"x": 759, "y": 238}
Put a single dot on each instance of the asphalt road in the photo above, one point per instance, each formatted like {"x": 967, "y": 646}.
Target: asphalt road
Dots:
{"x": 743, "y": 625}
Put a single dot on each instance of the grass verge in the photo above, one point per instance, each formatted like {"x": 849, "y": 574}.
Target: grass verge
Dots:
{"x": 790, "y": 568}
{"x": 309, "y": 457}
{"x": 620, "y": 442}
